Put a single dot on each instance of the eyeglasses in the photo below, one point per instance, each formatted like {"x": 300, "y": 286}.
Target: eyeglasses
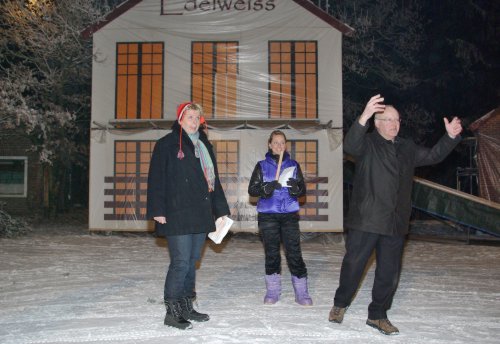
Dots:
{"x": 393, "y": 120}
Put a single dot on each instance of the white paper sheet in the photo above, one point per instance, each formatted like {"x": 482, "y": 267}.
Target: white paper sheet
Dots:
{"x": 286, "y": 174}
{"x": 222, "y": 225}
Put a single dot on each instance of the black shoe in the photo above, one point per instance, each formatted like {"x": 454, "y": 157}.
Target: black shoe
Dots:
{"x": 174, "y": 317}
{"x": 189, "y": 313}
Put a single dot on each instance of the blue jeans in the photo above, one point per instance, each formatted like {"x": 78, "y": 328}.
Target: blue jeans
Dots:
{"x": 185, "y": 251}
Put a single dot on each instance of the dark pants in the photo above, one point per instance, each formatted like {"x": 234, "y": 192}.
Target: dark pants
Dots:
{"x": 359, "y": 247}
{"x": 185, "y": 251}
{"x": 277, "y": 228}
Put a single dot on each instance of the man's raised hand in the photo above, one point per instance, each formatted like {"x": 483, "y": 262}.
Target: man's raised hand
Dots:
{"x": 453, "y": 128}
{"x": 375, "y": 104}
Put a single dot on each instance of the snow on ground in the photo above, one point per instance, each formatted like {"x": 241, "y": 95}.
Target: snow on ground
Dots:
{"x": 108, "y": 289}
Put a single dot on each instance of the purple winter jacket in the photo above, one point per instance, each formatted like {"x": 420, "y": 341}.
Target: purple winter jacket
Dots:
{"x": 282, "y": 200}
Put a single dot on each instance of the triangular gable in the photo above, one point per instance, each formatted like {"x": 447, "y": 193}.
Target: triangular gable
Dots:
{"x": 115, "y": 13}
{"x": 306, "y": 4}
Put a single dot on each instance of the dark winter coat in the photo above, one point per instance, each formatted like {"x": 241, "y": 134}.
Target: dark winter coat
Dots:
{"x": 278, "y": 201}
{"x": 178, "y": 190}
{"x": 383, "y": 178}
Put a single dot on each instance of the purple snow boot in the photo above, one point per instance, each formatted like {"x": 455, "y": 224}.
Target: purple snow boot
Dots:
{"x": 301, "y": 294}
{"x": 273, "y": 286}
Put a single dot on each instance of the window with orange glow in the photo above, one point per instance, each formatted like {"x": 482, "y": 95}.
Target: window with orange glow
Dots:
{"x": 227, "y": 156}
{"x": 214, "y": 71}
{"x": 131, "y": 176}
{"x": 305, "y": 152}
{"x": 139, "y": 80}
{"x": 293, "y": 79}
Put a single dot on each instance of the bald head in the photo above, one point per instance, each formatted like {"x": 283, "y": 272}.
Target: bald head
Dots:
{"x": 387, "y": 122}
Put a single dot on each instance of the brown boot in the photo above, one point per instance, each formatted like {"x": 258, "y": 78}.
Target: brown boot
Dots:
{"x": 383, "y": 325}
{"x": 337, "y": 314}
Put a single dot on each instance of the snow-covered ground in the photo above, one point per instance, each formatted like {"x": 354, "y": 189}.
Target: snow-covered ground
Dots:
{"x": 108, "y": 289}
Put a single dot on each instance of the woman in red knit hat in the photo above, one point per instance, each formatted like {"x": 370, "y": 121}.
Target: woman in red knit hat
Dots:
{"x": 185, "y": 197}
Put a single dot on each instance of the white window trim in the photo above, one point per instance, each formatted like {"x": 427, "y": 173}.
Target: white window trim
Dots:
{"x": 25, "y": 191}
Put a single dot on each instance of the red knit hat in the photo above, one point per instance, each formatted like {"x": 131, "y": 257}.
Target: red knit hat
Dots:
{"x": 181, "y": 109}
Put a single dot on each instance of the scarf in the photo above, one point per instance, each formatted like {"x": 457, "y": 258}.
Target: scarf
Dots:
{"x": 201, "y": 152}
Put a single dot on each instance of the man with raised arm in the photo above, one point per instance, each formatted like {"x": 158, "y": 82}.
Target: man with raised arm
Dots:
{"x": 380, "y": 206}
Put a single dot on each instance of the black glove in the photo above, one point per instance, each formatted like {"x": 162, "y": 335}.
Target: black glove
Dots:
{"x": 276, "y": 185}
{"x": 293, "y": 184}
{"x": 271, "y": 186}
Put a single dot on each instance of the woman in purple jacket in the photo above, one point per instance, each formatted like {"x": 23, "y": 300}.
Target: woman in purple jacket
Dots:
{"x": 278, "y": 218}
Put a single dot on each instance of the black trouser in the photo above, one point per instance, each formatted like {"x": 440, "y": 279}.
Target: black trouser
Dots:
{"x": 277, "y": 228}
{"x": 359, "y": 246}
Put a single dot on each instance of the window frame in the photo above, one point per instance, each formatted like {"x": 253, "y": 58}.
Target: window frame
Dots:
{"x": 25, "y": 179}
{"x": 121, "y": 208}
{"x": 283, "y": 55}
{"x": 139, "y": 64}
{"x": 207, "y": 61}
{"x": 304, "y": 163}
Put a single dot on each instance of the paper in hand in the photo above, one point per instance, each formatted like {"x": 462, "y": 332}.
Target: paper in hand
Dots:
{"x": 286, "y": 174}
{"x": 222, "y": 225}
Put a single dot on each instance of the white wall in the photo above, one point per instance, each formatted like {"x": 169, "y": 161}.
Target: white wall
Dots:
{"x": 253, "y": 30}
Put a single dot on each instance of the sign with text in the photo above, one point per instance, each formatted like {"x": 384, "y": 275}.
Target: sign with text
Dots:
{"x": 180, "y": 7}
